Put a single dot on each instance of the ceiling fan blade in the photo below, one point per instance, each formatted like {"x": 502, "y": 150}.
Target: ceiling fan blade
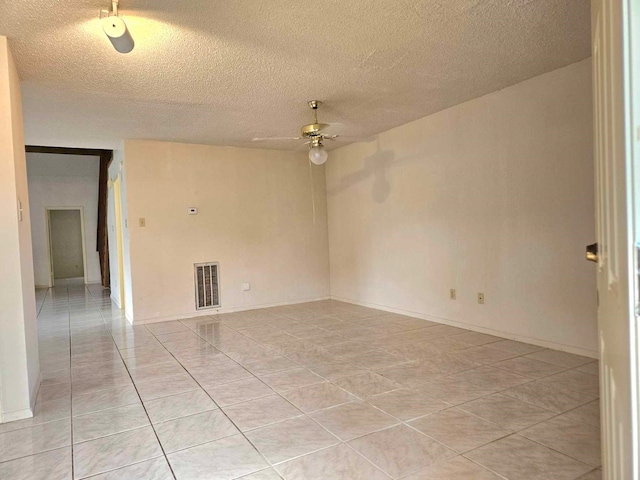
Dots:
{"x": 262, "y": 139}
{"x": 302, "y": 146}
{"x": 352, "y": 138}
{"x": 333, "y": 127}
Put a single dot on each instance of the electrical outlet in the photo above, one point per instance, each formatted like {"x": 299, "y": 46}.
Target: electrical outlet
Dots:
{"x": 142, "y": 222}
{"x": 452, "y": 294}
{"x": 481, "y": 298}
{"x": 246, "y": 287}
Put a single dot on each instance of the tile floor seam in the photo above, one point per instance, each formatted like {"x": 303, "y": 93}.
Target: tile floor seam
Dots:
{"x": 201, "y": 443}
{"x": 484, "y": 466}
{"x": 111, "y": 434}
{"x": 555, "y": 414}
{"x": 556, "y": 450}
{"x": 121, "y": 467}
{"x": 457, "y": 451}
{"x": 366, "y": 459}
{"x": 515, "y": 434}
{"x": 275, "y": 464}
{"x": 70, "y": 383}
{"x": 302, "y": 414}
{"x": 580, "y": 406}
{"x": 32, "y": 454}
{"x": 404, "y": 422}
{"x": 593, "y": 399}
{"x": 115, "y": 469}
{"x": 103, "y": 409}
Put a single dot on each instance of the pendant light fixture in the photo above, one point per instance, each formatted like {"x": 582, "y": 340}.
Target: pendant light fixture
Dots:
{"x": 116, "y": 30}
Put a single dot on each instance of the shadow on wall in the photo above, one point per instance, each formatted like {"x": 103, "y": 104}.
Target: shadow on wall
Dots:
{"x": 375, "y": 165}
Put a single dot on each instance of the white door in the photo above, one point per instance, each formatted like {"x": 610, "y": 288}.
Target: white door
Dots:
{"x": 615, "y": 232}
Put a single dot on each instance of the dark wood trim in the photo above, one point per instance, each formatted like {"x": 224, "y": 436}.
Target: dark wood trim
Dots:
{"x": 103, "y": 239}
{"x": 94, "y": 152}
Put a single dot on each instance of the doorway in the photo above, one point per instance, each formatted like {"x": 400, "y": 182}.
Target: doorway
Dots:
{"x": 67, "y": 255}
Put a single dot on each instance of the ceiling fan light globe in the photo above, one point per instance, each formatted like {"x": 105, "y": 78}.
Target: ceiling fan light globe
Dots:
{"x": 318, "y": 155}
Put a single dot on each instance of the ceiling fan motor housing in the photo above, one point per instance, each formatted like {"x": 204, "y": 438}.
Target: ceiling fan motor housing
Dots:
{"x": 313, "y": 129}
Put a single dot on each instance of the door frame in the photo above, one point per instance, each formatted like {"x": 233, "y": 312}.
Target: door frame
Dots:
{"x": 632, "y": 18}
{"x": 616, "y": 77}
{"x": 47, "y": 214}
{"x": 116, "y": 185}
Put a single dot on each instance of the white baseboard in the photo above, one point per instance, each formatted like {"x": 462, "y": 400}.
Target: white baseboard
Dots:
{"x": 116, "y": 301}
{"x": 215, "y": 311}
{"x": 7, "y": 417}
{"x": 498, "y": 333}
{"x": 35, "y": 388}
{"x": 15, "y": 416}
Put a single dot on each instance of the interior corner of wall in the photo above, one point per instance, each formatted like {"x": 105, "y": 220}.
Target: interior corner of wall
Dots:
{"x": 129, "y": 316}
{"x": 34, "y": 388}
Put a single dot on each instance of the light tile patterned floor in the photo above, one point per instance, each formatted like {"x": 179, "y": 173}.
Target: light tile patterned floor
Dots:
{"x": 322, "y": 390}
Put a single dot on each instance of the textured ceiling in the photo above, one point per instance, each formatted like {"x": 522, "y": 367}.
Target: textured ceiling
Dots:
{"x": 223, "y": 72}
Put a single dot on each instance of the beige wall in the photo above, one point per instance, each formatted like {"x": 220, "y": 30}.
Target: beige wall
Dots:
{"x": 255, "y": 218}
{"x": 19, "y": 364}
{"x": 494, "y": 196}
{"x": 63, "y": 181}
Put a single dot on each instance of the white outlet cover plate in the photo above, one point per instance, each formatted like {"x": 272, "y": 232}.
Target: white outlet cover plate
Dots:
{"x": 246, "y": 287}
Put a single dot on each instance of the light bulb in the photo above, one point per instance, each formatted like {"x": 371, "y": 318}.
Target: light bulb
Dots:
{"x": 318, "y": 155}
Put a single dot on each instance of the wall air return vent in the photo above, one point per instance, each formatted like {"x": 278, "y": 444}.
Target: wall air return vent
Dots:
{"x": 207, "y": 277}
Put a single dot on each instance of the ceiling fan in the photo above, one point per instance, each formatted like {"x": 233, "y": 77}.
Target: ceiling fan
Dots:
{"x": 313, "y": 134}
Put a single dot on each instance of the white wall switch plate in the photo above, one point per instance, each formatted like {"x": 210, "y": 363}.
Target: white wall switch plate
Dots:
{"x": 481, "y": 298}
{"x": 192, "y": 211}
{"x": 246, "y": 287}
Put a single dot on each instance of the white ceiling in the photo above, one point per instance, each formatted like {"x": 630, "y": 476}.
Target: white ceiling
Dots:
{"x": 223, "y": 72}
